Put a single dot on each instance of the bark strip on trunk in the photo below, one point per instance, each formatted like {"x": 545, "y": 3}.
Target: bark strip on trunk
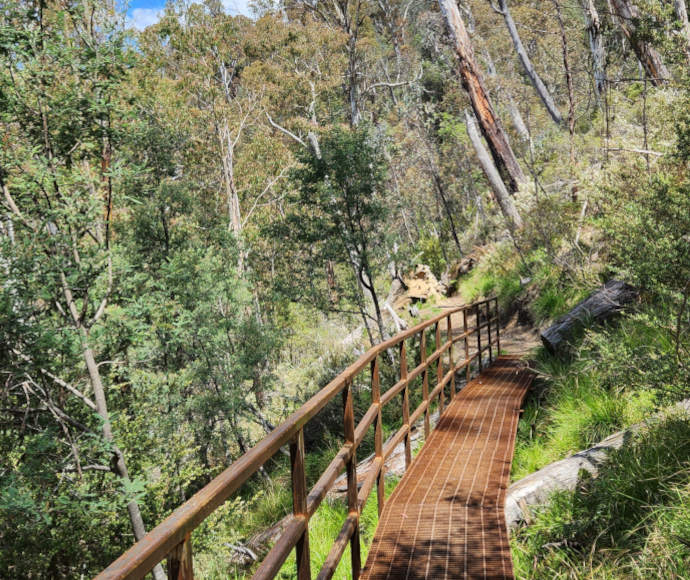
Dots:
{"x": 491, "y": 127}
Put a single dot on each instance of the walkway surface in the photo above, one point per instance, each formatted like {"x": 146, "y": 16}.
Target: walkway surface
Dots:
{"x": 445, "y": 518}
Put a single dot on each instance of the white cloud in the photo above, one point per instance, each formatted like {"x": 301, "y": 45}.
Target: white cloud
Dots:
{"x": 140, "y": 18}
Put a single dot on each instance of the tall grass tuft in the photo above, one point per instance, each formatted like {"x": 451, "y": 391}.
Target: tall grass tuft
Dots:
{"x": 632, "y": 521}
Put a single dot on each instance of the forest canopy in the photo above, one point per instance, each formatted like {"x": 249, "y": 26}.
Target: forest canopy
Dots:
{"x": 201, "y": 222}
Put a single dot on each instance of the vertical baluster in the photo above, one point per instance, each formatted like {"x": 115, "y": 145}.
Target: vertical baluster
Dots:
{"x": 351, "y": 469}
{"x": 180, "y": 560}
{"x": 425, "y": 383}
{"x": 488, "y": 322}
{"x": 378, "y": 432}
{"x": 479, "y": 338}
{"x": 299, "y": 503}
{"x": 498, "y": 330}
{"x": 439, "y": 368}
{"x": 451, "y": 361}
{"x": 467, "y": 345}
{"x": 405, "y": 403}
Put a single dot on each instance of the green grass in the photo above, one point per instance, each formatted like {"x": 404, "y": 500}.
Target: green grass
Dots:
{"x": 616, "y": 376}
{"x": 325, "y": 526}
{"x": 633, "y": 521}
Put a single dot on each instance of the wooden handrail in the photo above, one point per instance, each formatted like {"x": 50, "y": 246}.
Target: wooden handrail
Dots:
{"x": 171, "y": 539}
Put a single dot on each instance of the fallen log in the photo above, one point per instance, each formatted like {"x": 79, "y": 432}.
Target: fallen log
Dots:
{"x": 601, "y": 305}
{"x": 534, "y": 490}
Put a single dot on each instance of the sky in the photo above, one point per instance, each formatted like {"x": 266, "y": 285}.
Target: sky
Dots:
{"x": 143, "y": 13}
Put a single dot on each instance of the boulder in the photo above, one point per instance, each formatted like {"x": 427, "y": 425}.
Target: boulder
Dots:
{"x": 422, "y": 284}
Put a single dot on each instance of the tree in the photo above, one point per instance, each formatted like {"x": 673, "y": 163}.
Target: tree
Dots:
{"x": 498, "y": 187}
{"x": 534, "y": 77}
{"x": 338, "y": 215}
{"x": 650, "y": 59}
{"x": 472, "y": 81}
{"x": 682, "y": 15}
{"x": 596, "y": 45}
{"x": 63, "y": 65}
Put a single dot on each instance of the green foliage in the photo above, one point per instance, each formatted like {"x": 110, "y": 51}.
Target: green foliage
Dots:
{"x": 338, "y": 217}
{"x": 632, "y": 521}
{"x": 616, "y": 377}
{"x": 163, "y": 214}
{"x": 648, "y": 232}
{"x": 324, "y": 527}
{"x": 431, "y": 254}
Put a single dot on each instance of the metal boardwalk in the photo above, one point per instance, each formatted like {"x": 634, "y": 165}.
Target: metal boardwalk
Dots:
{"x": 445, "y": 519}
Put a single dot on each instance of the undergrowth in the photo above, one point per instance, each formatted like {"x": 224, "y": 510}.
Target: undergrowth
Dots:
{"x": 632, "y": 521}
{"x": 546, "y": 290}
{"x": 617, "y": 376}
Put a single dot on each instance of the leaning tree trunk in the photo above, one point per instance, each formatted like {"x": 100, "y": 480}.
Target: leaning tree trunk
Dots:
{"x": 596, "y": 46}
{"x": 490, "y": 124}
{"x": 510, "y": 104}
{"x": 648, "y": 56}
{"x": 564, "y": 475}
{"x": 503, "y": 198}
{"x": 440, "y": 189}
{"x": 534, "y": 77}
{"x": 599, "y": 306}
{"x": 119, "y": 465}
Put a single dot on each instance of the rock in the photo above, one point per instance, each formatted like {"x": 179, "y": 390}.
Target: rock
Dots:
{"x": 535, "y": 489}
{"x": 464, "y": 266}
{"x": 422, "y": 284}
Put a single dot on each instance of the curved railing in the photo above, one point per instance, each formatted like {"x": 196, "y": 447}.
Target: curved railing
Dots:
{"x": 171, "y": 539}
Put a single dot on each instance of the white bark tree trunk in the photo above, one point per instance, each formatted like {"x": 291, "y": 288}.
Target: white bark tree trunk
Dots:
{"x": 501, "y": 193}
{"x": 682, "y": 14}
{"x": 648, "y": 56}
{"x": 534, "y": 77}
{"x": 596, "y": 46}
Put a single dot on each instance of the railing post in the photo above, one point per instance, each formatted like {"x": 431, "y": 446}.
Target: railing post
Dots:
{"x": 439, "y": 369}
{"x": 425, "y": 383}
{"x": 488, "y": 328}
{"x": 378, "y": 433}
{"x": 180, "y": 560}
{"x": 468, "y": 372}
{"x": 451, "y": 361}
{"x": 498, "y": 329}
{"x": 351, "y": 469}
{"x": 405, "y": 403}
{"x": 299, "y": 503}
{"x": 479, "y": 338}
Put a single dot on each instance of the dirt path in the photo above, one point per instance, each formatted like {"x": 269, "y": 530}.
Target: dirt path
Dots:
{"x": 516, "y": 339}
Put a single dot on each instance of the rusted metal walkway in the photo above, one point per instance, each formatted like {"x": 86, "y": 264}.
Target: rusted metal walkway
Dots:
{"x": 445, "y": 518}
